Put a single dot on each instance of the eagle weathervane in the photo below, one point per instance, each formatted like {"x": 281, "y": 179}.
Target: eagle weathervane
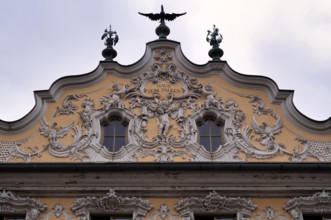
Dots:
{"x": 162, "y": 30}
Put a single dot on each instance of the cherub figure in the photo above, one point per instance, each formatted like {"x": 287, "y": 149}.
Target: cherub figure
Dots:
{"x": 115, "y": 100}
{"x": 162, "y": 112}
{"x": 163, "y": 121}
{"x": 210, "y": 97}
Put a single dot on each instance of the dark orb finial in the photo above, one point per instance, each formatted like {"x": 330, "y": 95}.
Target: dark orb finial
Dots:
{"x": 162, "y": 30}
{"x": 111, "y": 39}
{"x": 214, "y": 38}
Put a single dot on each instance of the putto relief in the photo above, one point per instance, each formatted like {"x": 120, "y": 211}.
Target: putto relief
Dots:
{"x": 162, "y": 114}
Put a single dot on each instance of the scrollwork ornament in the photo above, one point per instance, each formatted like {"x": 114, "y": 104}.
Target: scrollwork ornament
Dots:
{"x": 162, "y": 212}
{"x": 168, "y": 111}
{"x": 14, "y": 149}
{"x": 214, "y": 202}
{"x": 312, "y": 148}
{"x": 58, "y": 149}
{"x": 68, "y": 107}
{"x": 265, "y": 131}
{"x": 58, "y": 211}
{"x": 9, "y": 202}
{"x": 171, "y": 99}
{"x": 111, "y": 203}
{"x": 319, "y": 203}
{"x": 270, "y": 214}
{"x": 258, "y": 105}
{"x": 163, "y": 153}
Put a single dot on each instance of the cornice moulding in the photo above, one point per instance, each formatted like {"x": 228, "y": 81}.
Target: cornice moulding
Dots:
{"x": 284, "y": 97}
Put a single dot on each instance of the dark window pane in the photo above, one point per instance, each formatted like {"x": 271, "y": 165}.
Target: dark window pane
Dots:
{"x": 204, "y": 129}
{"x": 211, "y": 217}
{"x": 225, "y": 218}
{"x": 316, "y": 217}
{"x": 15, "y": 218}
{"x": 203, "y": 217}
{"x": 215, "y": 130}
{"x": 109, "y": 130}
{"x": 121, "y": 218}
{"x": 210, "y": 135}
{"x": 205, "y": 141}
{"x": 114, "y": 135}
{"x": 120, "y": 142}
{"x": 216, "y": 142}
{"x": 100, "y": 217}
{"x": 12, "y": 217}
{"x": 108, "y": 142}
{"x": 312, "y": 217}
{"x": 120, "y": 129}
{"x": 111, "y": 217}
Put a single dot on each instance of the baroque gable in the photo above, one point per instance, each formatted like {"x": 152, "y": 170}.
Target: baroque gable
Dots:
{"x": 162, "y": 100}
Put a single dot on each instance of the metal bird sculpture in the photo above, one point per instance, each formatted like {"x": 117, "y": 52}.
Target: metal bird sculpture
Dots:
{"x": 162, "y": 30}
{"x": 162, "y": 16}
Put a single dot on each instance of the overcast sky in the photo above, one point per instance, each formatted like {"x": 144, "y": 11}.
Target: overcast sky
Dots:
{"x": 288, "y": 41}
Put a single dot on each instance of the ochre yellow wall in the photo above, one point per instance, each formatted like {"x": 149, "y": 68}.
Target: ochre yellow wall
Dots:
{"x": 288, "y": 134}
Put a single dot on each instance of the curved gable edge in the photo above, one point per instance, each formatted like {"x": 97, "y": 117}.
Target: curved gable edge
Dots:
{"x": 44, "y": 96}
{"x": 283, "y": 97}
{"x": 276, "y": 95}
{"x": 73, "y": 81}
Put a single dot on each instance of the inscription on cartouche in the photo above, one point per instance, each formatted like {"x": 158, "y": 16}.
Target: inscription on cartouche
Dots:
{"x": 162, "y": 88}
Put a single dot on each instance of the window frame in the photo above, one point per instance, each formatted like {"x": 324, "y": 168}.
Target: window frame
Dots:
{"x": 111, "y": 204}
{"x": 317, "y": 204}
{"x": 218, "y": 123}
{"x": 10, "y": 204}
{"x": 108, "y": 122}
{"x": 216, "y": 205}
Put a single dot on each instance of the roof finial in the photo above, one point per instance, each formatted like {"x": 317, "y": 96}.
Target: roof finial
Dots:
{"x": 111, "y": 39}
{"x": 162, "y": 30}
{"x": 214, "y": 38}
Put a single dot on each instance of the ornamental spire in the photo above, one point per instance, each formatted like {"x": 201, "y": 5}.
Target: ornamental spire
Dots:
{"x": 214, "y": 38}
{"x": 111, "y": 39}
{"x": 162, "y": 30}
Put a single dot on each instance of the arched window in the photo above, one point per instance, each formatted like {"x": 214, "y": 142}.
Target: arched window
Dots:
{"x": 114, "y": 135}
{"x": 210, "y": 134}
